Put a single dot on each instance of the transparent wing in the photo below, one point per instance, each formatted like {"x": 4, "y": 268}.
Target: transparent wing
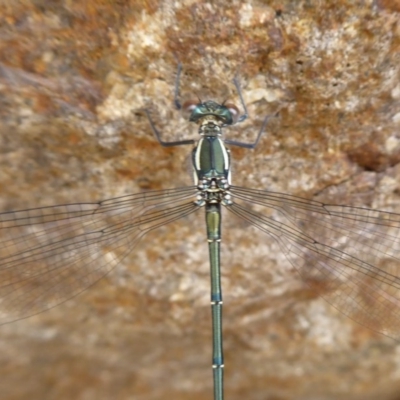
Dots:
{"x": 50, "y": 254}
{"x": 350, "y": 256}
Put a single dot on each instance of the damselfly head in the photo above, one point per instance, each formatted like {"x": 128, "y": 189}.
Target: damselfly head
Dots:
{"x": 227, "y": 114}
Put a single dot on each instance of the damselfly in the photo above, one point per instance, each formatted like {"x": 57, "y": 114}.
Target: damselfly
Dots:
{"x": 348, "y": 255}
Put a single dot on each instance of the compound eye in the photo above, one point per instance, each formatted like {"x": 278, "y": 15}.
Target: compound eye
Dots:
{"x": 234, "y": 111}
{"x": 189, "y": 106}
{"x": 192, "y": 110}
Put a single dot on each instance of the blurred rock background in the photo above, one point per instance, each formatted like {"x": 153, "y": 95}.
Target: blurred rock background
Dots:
{"x": 73, "y": 77}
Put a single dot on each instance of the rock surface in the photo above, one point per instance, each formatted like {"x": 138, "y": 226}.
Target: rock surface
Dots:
{"x": 73, "y": 79}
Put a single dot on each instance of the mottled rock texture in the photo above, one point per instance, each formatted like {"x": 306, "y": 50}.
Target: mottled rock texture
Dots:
{"x": 73, "y": 78}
